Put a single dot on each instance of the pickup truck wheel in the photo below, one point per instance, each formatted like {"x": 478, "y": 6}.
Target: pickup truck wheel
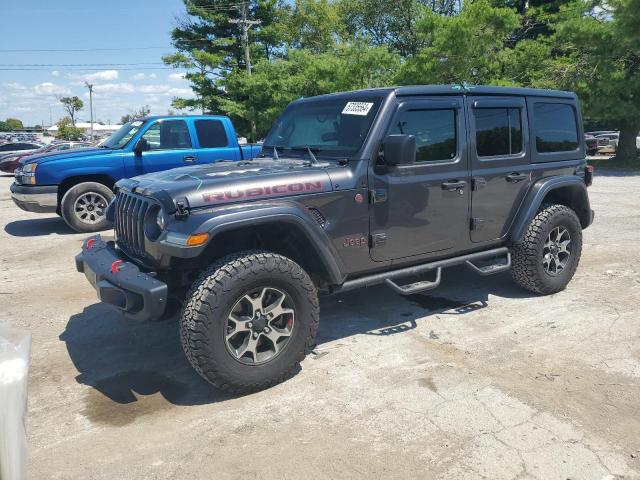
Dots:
{"x": 545, "y": 260}
{"x": 84, "y": 206}
{"x": 249, "y": 320}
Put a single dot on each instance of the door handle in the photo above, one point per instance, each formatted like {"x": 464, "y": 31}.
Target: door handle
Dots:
{"x": 453, "y": 185}
{"x": 517, "y": 177}
{"x": 189, "y": 158}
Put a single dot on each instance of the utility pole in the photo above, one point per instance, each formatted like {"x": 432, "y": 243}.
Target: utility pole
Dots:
{"x": 90, "y": 87}
{"x": 246, "y": 24}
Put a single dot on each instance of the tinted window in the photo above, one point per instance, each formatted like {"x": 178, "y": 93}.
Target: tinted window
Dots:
{"x": 64, "y": 146}
{"x": 555, "y": 127}
{"x": 435, "y": 132}
{"x": 168, "y": 134}
{"x": 498, "y": 131}
{"x": 6, "y": 148}
{"x": 211, "y": 133}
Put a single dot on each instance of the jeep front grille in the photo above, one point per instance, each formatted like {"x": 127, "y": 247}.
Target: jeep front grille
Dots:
{"x": 130, "y": 211}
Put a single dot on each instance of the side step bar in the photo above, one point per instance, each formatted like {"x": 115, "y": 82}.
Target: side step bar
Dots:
{"x": 421, "y": 286}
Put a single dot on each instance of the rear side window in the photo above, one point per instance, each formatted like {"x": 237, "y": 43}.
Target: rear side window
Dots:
{"x": 211, "y": 134}
{"x": 498, "y": 131}
{"x": 555, "y": 127}
{"x": 435, "y": 132}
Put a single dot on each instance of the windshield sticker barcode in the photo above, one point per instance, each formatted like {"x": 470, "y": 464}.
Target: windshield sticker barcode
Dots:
{"x": 357, "y": 108}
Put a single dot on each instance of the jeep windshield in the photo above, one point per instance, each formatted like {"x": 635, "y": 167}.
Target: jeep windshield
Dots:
{"x": 123, "y": 135}
{"x": 334, "y": 127}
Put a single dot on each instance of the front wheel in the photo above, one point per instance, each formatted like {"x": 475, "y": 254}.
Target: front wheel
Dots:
{"x": 249, "y": 320}
{"x": 545, "y": 260}
{"x": 84, "y": 207}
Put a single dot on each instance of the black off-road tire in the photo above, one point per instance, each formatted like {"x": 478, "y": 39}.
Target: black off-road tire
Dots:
{"x": 209, "y": 303}
{"x": 68, "y": 204}
{"x": 527, "y": 268}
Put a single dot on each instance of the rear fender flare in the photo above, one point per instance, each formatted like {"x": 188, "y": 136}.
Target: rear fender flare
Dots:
{"x": 573, "y": 189}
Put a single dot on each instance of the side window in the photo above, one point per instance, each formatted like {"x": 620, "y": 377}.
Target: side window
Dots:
{"x": 555, "y": 127}
{"x": 435, "y": 132}
{"x": 211, "y": 134}
{"x": 498, "y": 131}
{"x": 168, "y": 134}
{"x": 64, "y": 146}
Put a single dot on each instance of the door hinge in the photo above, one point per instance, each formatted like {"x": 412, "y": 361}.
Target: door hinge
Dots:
{"x": 476, "y": 223}
{"x": 378, "y": 239}
{"x": 379, "y": 195}
{"x": 478, "y": 183}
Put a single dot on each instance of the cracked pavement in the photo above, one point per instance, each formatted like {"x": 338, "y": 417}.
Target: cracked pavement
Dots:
{"x": 478, "y": 379}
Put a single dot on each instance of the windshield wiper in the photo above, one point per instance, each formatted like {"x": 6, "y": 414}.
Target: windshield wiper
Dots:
{"x": 307, "y": 148}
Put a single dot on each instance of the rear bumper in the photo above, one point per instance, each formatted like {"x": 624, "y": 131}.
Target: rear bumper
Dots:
{"x": 33, "y": 198}
{"x": 122, "y": 285}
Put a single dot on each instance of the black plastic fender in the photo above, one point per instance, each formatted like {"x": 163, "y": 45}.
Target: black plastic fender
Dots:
{"x": 572, "y": 190}
{"x": 225, "y": 218}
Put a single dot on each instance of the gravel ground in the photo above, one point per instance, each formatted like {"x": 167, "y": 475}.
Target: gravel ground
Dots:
{"x": 479, "y": 379}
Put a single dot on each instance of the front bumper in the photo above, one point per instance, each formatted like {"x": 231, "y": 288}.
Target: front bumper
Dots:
{"x": 120, "y": 283}
{"x": 34, "y": 198}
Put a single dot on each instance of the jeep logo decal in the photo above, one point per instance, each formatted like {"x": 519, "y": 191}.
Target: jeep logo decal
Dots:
{"x": 267, "y": 191}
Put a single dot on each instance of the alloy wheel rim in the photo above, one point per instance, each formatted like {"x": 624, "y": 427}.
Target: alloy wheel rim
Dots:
{"x": 90, "y": 207}
{"x": 556, "y": 251}
{"x": 260, "y": 325}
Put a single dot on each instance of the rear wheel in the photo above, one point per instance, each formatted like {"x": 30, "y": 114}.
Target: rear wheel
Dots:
{"x": 545, "y": 260}
{"x": 249, "y": 320}
{"x": 84, "y": 207}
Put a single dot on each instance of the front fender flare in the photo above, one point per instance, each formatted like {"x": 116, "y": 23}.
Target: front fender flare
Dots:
{"x": 223, "y": 219}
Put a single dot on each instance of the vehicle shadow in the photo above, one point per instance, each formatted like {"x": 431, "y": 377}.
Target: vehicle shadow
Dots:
{"x": 38, "y": 227}
{"x": 122, "y": 359}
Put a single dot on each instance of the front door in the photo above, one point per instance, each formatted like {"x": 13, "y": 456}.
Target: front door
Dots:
{"x": 423, "y": 208}
{"x": 500, "y": 163}
{"x": 170, "y": 146}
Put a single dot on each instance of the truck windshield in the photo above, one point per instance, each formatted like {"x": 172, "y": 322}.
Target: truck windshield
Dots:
{"x": 122, "y": 136}
{"x": 331, "y": 127}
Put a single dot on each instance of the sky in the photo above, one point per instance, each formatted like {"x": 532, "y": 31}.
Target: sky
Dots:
{"x": 122, "y": 40}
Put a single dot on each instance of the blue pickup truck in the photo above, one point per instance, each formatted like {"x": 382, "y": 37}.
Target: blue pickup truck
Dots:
{"x": 78, "y": 184}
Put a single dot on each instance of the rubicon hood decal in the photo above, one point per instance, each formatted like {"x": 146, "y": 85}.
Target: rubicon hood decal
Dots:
{"x": 232, "y": 193}
{"x": 227, "y": 182}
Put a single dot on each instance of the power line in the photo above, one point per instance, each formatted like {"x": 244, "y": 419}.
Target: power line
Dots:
{"x": 79, "y": 49}
{"x": 76, "y": 64}
{"x": 81, "y": 69}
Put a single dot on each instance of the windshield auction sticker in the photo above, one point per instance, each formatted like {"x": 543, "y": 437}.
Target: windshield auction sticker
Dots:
{"x": 357, "y": 108}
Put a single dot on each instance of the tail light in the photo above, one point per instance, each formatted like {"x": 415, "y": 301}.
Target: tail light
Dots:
{"x": 588, "y": 175}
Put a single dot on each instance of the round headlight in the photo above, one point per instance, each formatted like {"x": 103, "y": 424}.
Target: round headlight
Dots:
{"x": 160, "y": 220}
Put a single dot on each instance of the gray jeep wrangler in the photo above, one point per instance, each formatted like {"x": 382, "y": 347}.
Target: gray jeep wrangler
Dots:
{"x": 351, "y": 190}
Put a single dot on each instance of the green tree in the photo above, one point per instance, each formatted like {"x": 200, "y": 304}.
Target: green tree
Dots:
{"x": 14, "y": 124}
{"x": 67, "y": 130}
{"x": 134, "y": 114}
{"x": 466, "y": 48}
{"x": 598, "y": 56}
{"x": 72, "y": 105}
{"x": 4, "y": 126}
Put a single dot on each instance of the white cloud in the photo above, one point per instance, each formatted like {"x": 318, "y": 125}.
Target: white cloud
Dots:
{"x": 55, "y": 73}
{"x": 153, "y": 75}
{"x": 180, "y": 92}
{"x": 138, "y": 76}
{"x": 176, "y": 77}
{"x": 122, "y": 87}
{"x": 101, "y": 75}
{"x": 48, "y": 88}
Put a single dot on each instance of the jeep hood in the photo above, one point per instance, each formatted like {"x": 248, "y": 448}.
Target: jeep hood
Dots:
{"x": 230, "y": 181}
{"x": 66, "y": 154}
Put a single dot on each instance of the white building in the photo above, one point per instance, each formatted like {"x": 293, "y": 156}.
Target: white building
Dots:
{"x": 98, "y": 129}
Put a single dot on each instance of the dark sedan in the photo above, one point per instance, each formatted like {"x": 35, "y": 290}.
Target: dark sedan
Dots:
{"x": 8, "y": 163}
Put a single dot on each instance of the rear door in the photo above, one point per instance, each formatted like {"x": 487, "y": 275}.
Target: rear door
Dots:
{"x": 500, "y": 163}
{"x": 170, "y": 146}
{"x": 215, "y": 142}
{"x": 423, "y": 208}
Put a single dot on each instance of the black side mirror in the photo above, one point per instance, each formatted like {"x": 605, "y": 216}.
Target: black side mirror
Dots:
{"x": 399, "y": 150}
{"x": 141, "y": 146}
